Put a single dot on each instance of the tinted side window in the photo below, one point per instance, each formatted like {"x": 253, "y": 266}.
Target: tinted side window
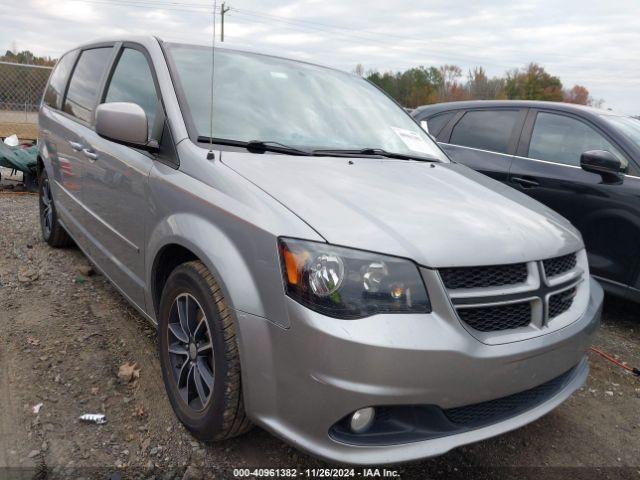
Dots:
{"x": 85, "y": 82}
{"x": 58, "y": 81}
{"x": 485, "y": 129}
{"x": 437, "y": 123}
{"x": 132, "y": 81}
{"x": 562, "y": 139}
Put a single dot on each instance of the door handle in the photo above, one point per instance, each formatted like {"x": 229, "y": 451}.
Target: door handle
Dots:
{"x": 75, "y": 145}
{"x": 89, "y": 154}
{"x": 525, "y": 182}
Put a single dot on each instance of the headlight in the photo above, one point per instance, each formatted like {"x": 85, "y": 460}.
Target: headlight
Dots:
{"x": 345, "y": 283}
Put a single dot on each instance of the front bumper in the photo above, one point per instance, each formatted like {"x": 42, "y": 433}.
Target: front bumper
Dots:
{"x": 299, "y": 382}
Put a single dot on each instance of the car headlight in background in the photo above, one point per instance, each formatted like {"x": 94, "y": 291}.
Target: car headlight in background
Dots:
{"x": 345, "y": 283}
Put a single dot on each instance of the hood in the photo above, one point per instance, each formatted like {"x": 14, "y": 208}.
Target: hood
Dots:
{"x": 439, "y": 215}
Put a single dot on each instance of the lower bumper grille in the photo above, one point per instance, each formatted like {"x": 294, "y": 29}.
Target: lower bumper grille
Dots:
{"x": 499, "y": 317}
{"x": 398, "y": 424}
{"x": 495, "y": 410}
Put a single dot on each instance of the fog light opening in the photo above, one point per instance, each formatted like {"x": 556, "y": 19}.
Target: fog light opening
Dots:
{"x": 362, "y": 419}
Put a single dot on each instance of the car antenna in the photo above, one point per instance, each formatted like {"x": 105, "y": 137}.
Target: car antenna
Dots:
{"x": 210, "y": 155}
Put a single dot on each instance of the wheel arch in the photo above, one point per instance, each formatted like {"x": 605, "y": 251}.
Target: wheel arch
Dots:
{"x": 166, "y": 261}
{"x": 39, "y": 166}
{"x": 183, "y": 237}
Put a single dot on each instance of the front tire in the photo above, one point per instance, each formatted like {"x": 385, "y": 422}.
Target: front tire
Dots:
{"x": 199, "y": 355}
{"x": 52, "y": 231}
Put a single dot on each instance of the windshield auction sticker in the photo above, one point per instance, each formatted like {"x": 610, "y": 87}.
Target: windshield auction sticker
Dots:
{"x": 412, "y": 140}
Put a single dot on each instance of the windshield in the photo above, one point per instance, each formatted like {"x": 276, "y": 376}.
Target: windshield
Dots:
{"x": 628, "y": 125}
{"x": 258, "y": 97}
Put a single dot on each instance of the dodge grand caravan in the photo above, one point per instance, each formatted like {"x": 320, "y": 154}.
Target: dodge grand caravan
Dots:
{"x": 313, "y": 261}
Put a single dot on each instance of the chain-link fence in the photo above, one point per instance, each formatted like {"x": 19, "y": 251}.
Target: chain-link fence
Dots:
{"x": 21, "y": 88}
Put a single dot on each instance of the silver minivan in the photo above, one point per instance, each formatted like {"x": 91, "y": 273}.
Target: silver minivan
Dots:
{"x": 314, "y": 263}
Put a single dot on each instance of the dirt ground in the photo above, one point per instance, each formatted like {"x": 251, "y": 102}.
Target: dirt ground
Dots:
{"x": 65, "y": 333}
{"x": 26, "y": 128}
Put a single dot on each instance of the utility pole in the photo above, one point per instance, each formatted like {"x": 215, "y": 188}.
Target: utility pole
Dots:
{"x": 223, "y": 10}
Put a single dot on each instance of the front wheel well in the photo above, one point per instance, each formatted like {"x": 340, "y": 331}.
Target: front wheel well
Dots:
{"x": 166, "y": 261}
{"x": 39, "y": 167}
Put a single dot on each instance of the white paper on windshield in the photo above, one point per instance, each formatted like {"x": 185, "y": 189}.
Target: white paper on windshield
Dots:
{"x": 412, "y": 140}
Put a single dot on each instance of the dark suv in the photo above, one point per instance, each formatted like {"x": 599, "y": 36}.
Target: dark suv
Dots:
{"x": 582, "y": 162}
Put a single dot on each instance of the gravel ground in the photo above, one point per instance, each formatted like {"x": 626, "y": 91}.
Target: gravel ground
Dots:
{"x": 65, "y": 332}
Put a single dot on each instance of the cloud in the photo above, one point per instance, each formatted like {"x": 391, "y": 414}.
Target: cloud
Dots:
{"x": 596, "y": 44}
{"x": 293, "y": 38}
{"x": 71, "y": 10}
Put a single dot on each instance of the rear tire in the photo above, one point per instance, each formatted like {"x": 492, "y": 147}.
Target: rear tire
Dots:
{"x": 199, "y": 355}
{"x": 52, "y": 232}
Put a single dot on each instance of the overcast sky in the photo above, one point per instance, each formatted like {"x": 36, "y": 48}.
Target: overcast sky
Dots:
{"x": 593, "y": 43}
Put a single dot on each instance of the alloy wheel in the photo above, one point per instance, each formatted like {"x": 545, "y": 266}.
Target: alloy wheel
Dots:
{"x": 46, "y": 208}
{"x": 191, "y": 352}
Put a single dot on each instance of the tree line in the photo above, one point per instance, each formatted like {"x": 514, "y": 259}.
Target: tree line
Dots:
{"x": 424, "y": 85}
{"x": 28, "y": 58}
{"x": 411, "y": 88}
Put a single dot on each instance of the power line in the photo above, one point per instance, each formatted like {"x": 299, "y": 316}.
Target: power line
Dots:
{"x": 344, "y": 35}
{"x": 260, "y": 18}
{"x": 400, "y": 37}
{"x": 298, "y": 24}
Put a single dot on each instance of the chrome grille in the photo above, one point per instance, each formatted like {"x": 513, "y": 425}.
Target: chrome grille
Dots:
{"x": 559, "y": 265}
{"x": 483, "y": 277}
{"x": 499, "y": 317}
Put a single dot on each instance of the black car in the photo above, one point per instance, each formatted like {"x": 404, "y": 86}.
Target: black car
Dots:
{"x": 582, "y": 162}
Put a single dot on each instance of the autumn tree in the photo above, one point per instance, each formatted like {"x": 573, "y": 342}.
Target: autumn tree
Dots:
{"x": 578, "y": 95}
{"x": 424, "y": 85}
{"x": 533, "y": 83}
{"x": 450, "y": 87}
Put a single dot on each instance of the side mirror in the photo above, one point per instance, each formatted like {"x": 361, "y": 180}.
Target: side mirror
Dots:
{"x": 123, "y": 122}
{"x": 604, "y": 163}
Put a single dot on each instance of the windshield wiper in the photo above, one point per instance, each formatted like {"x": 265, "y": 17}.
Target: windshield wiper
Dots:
{"x": 261, "y": 146}
{"x": 257, "y": 146}
{"x": 379, "y": 152}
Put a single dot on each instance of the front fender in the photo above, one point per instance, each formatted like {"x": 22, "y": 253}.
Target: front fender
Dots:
{"x": 229, "y": 224}
{"x": 253, "y": 287}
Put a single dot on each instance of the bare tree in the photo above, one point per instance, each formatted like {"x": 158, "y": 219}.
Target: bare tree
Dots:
{"x": 482, "y": 87}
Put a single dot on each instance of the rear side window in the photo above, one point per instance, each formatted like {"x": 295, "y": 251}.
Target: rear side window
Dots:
{"x": 58, "y": 81}
{"x": 562, "y": 139}
{"x": 437, "y": 122}
{"x": 85, "y": 82}
{"x": 132, "y": 82}
{"x": 486, "y": 129}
